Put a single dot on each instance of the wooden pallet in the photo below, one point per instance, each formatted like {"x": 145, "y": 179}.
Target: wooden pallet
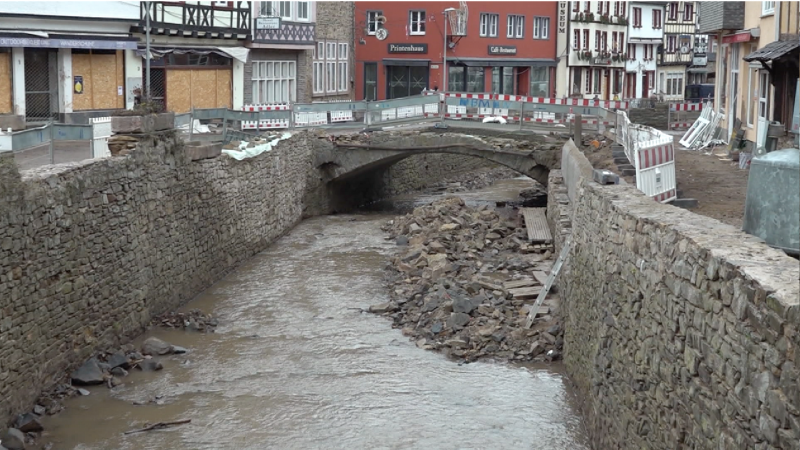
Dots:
{"x": 536, "y": 225}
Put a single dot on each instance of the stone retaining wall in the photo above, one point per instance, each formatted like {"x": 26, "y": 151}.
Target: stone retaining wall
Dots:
{"x": 90, "y": 251}
{"x": 418, "y": 171}
{"x": 680, "y": 331}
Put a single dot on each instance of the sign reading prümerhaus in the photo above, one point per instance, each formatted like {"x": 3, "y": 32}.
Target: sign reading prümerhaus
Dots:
{"x": 502, "y": 49}
{"x": 408, "y": 48}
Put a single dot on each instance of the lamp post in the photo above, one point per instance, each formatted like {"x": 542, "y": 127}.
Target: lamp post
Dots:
{"x": 444, "y": 50}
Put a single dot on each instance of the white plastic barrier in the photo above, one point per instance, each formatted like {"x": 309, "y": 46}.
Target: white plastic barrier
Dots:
{"x": 101, "y": 131}
{"x": 652, "y": 154}
{"x": 310, "y": 119}
{"x": 266, "y": 123}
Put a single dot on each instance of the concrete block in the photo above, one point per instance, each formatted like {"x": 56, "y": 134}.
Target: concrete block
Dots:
{"x": 202, "y": 150}
{"x": 605, "y": 177}
{"x": 15, "y": 122}
{"x": 142, "y": 124}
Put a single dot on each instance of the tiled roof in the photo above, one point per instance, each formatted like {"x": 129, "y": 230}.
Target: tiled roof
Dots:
{"x": 773, "y": 50}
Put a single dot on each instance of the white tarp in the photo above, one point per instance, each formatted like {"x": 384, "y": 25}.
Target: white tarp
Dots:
{"x": 239, "y": 53}
{"x": 244, "y": 152}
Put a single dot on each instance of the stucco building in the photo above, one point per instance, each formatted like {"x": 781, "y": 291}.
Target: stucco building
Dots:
{"x": 508, "y": 48}
{"x": 645, "y": 33}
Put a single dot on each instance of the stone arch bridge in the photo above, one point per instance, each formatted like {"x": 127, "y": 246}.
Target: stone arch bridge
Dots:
{"x": 348, "y": 157}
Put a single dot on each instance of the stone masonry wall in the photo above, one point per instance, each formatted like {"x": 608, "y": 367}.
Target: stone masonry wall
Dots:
{"x": 680, "y": 331}
{"x": 419, "y": 171}
{"x": 90, "y": 251}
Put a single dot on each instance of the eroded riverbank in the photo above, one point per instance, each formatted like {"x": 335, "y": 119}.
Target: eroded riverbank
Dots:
{"x": 294, "y": 364}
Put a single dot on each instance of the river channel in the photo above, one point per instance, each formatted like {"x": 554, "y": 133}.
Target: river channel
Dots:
{"x": 295, "y": 365}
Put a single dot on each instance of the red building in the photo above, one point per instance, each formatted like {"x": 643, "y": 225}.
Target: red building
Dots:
{"x": 508, "y": 48}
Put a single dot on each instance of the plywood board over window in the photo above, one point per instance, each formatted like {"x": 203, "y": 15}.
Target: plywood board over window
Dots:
{"x": 6, "y": 102}
{"x": 198, "y": 88}
{"x": 102, "y": 73}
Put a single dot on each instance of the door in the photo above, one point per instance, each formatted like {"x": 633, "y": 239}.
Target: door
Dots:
{"x": 370, "y": 81}
{"x": 41, "y": 88}
{"x": 763, "y": 108}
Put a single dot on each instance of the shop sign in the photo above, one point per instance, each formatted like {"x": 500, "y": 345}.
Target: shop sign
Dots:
{"x": 67, "y": 43}
{"x": 268, "y": 23}
{"x": 736, "y": 38}
{"x": 699, "y": 59}
{"x": 562, "y": 17}
{"x": 408, "y": 48}
{"x": 502, "y": 49}
{"x": 78, "y": 84}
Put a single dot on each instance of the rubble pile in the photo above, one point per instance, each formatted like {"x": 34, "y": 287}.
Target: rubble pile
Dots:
{"x": 464, "y": 282}
{"x": 121, "y": 145}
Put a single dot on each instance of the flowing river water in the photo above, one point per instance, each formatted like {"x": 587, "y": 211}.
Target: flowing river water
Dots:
{"x": 295, "y": 365}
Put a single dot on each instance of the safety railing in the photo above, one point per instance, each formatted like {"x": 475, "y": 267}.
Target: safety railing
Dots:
{"x": 652, "y": 154}
{"x": 56, "y": 143}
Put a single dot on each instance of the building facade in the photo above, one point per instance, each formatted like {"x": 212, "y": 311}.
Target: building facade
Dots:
{"x": 58, "y": 60}
{"x": 645, "y": 34}
{"x": 757, "y": 65}
{"x": 506, "y": 49}
{"x": 597, "y": 44}
{"x": 683, "y": 56}
{"x": 197, "y": 52}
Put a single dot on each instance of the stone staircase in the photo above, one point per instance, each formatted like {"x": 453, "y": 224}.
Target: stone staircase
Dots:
{"x": 656, "y": 117}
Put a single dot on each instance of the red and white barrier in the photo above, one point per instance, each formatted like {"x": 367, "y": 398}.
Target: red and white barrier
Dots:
{"x": 655, "y": 169}
{"x": 266, "y": 123}
{"x": 686, "y": 106}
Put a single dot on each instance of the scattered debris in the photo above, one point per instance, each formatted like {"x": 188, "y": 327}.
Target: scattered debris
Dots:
{"x": 160, "y": 426}
{"x": 193, "y": 320}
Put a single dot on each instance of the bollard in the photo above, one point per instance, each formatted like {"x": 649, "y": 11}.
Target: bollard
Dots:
{"x": 577, "y": 136}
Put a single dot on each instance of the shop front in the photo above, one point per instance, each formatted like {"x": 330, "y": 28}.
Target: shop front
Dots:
{"x": 501, "y": 76}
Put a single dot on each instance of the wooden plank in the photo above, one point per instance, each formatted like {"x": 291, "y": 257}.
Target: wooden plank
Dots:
{"x": 6, "y": 101}
{"x": 536, "y": 224}
{"x": 540, "y": 276}
{"x": 515, "y": 284}
{"x": 526, "y": 292}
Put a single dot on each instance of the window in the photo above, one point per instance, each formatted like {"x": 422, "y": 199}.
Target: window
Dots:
{"x": 614, "y": 47}
{"x": 416, "y": 22}
{"x": 688, "y": 11}
{"x": 576, "y": 39}
{"x": 586, "y": 39}
{"x": 540, "y": 81}
{"x": 541, "y": 27}
{"x": 604, "y": 42}
{"x": 466, "y": 79}
{"x": 597, "y": 40}
{"x": 637, "y": 17}
{"x": 283, "y": 9}
{"x": 489, "y": 25}
{"x": 752, "y": 100}
{"x": 621, "y": 43}
{"x": 631, "y": 52}
{"x": 586, "y": 6}
{"x": 675, "y": 84}
{"x": 372, "y": 22}
{"x": 476, "y": 79}
{"x": 767, "y": 8}
{"x": 274, "y": 81}
{"x": 651, "y": 79}
{"x": 672, "y": 11}
{"x": 331, "y": 68}
{"x": 598, "y": 73}
{"x": 587, "y": 88}
{"x": 516, "y": 26}
{"x": 618, "y": 82}
{"x": 503, "y": 80}
{"x": 616, "y": 8}
{"x": 648, "y": 51}
{"x": 657, "y": 18}
{"x": 265, "y": 9}
{"x": 576, "y": 6}
{"x": 672, "y": 43}
{"x": 303, "y": 11}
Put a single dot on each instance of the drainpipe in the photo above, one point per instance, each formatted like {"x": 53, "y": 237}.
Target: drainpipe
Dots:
{"x": 147, "y": 51}
{"x": 777, "y": 21}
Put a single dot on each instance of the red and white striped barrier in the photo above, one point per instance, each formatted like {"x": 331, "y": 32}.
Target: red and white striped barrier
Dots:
{"x": 686, "y": 106}
{"x": 266, "y": 123}
{"x": 543, "y": 100}
{"x": 655, "y": 171}
{"x": 680, "y": 125}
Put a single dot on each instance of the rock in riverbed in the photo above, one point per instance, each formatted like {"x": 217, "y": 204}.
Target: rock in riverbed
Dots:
{"x": 13, "y": 439}
{"x": 155, "y": 346}
{"x": 465, "y": 282}
{"x": 88, "y": 374}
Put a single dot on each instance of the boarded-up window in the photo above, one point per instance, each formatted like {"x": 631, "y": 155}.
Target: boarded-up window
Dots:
{"x": 198, "y": 88}
{"x": 6, "y": 102}
{"x": 102, "y": 74}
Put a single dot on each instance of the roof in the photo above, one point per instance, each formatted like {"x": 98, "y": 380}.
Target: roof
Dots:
{"x": 773, "y": 50}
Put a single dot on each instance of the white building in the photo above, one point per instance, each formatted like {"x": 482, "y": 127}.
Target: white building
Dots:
{"x": 645, "y": 33}
{"x": 597, "y": 37}
{"x": 59, "y": 58}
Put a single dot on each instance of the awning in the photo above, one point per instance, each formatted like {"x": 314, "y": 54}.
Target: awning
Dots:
{"x": 238, "y": 53}
{"x": 407, "y": 62}
{"x": 773, "y": 50}
{"x": 13, "y": 38}
{"x": 741, "y": 36}
{"x": 505, "y": 62}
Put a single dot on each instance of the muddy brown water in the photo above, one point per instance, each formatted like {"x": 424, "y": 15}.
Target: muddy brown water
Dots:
{"x": 292, "y": 366}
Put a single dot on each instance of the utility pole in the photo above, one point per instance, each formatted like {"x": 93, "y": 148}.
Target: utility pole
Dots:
{"x": 147, "y": 50}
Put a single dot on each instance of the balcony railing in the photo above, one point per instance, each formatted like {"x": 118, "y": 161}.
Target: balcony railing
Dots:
{"x": 166, "y": 17}
{"x": 273, "y": 31}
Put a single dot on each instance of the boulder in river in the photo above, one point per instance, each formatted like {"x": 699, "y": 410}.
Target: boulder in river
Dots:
{"x": 13, "y": 439}
{"x": 88, "y": 374}
{"x": 383, "y": 308}
{"x": 150, "y": 365}
{"x": 118, "y": 359}
{"x": 155, "y": 346}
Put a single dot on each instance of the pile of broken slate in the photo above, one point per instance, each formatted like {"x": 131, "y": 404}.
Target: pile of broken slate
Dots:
{"x": 447, "y": 285}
